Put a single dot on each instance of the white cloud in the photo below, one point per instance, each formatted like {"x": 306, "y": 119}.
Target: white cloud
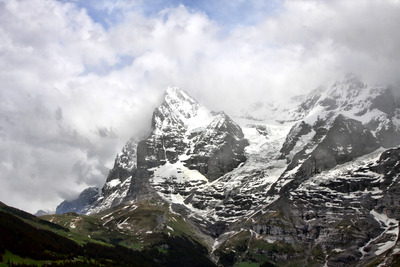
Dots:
{"x": 68, "y": 100}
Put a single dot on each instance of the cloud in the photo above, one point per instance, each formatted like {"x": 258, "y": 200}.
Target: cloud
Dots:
{"x": 360, "y": 35}
{"x": 79, "y": 78}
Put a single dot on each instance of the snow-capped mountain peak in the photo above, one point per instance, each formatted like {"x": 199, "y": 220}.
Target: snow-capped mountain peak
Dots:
{"x": 180, "y": 113}
{"x": 202, "y": 144}
{"x": 181, "y": 103}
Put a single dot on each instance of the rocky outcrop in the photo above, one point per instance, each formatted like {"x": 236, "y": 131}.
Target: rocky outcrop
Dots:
{"x": 125, "y": 162}
{"x": 125, "y": 166}
{"x": 297, "y": 131}
{"x": 389, "y": 166}
{"x": 218, "y": 149}
{"x": 375, "y": 107}
{"x": 333, "y": 144}
{"x": 82, "y": 204}
{"x": 344, "y": 141}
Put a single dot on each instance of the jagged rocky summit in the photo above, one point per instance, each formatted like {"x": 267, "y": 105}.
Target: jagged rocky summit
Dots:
{"x": 311, "y": 183}
{"x": 188, "y": 146}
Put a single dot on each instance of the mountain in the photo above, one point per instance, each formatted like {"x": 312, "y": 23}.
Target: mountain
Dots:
{"x": 312, "y": 183}
{"x": 189, "y": 143}
{"x": 43, "y": 212}
{"x": 80, "y": 205}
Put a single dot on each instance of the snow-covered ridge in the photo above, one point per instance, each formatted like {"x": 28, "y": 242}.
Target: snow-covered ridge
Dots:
{"x": 351, "y": 98}
{"x": 181, "y": 107}
{"x": 374, "y": 106}
{"x": 181, "y": 103}
{"x": 126, "y": 159}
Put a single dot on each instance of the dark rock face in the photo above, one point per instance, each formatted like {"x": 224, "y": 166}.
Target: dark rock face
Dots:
{"x": 389, "y": 167}
{"x": 166, "y": 141}
{"x": 118, "y": 180}
{"x": 389, "y": 135}
{"x": 219, "y": 149}
{"x": 125, "y": 162}
{"x": 386, "y": 102}
{"x": 387, "y": 132}
{"x": 80, "y": 205}
{"x": 293, "y": 137}
{"x": 311, "y": 100}
{"x": 169, "y": 127}
{"x": 331, "y": 218}
{"x": 347, "y": 120}
{"x": 142, "y": 163}
{"x": 124, "y": 166}
{"x": 344, "y": 141}
{"x": 214, "y": 151}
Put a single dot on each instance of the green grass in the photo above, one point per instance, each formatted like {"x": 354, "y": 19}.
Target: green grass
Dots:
{"x": 318, "y": 253}
{"x": 247, "y": 250}
{"x": 162, "y": 250}
{"x": 85, "y": 226}
{"x": 137, "y": 246}
{"x": 294, "y": 263}
{"x": 179, "y": 226}
{"x": 247, "y": 264}
{"x": 9, "y": 257}
{"x": 238, "y": 240}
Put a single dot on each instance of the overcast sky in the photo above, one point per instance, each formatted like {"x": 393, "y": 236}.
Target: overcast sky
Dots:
{"x": 78, "y": 78}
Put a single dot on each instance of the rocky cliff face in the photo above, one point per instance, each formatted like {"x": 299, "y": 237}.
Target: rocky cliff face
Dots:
{"x": 343, "y": 217}
{"x": 345, "y": 140}
{"x": 188, "y": 145}
{"x": 343, "y": 122}
{"x": 218, "y": 149}
{"x": 376, "y": 107}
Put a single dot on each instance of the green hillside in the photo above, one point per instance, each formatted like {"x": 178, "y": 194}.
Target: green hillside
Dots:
{"x": 149, "y": 239}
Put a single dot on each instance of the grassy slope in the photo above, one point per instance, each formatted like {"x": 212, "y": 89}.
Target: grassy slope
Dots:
{"x": 135, "y": 226}
{"x": 148, "y": 228}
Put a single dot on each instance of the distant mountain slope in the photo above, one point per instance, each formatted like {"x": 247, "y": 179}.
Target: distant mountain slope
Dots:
{"x": 80, "y": 205}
